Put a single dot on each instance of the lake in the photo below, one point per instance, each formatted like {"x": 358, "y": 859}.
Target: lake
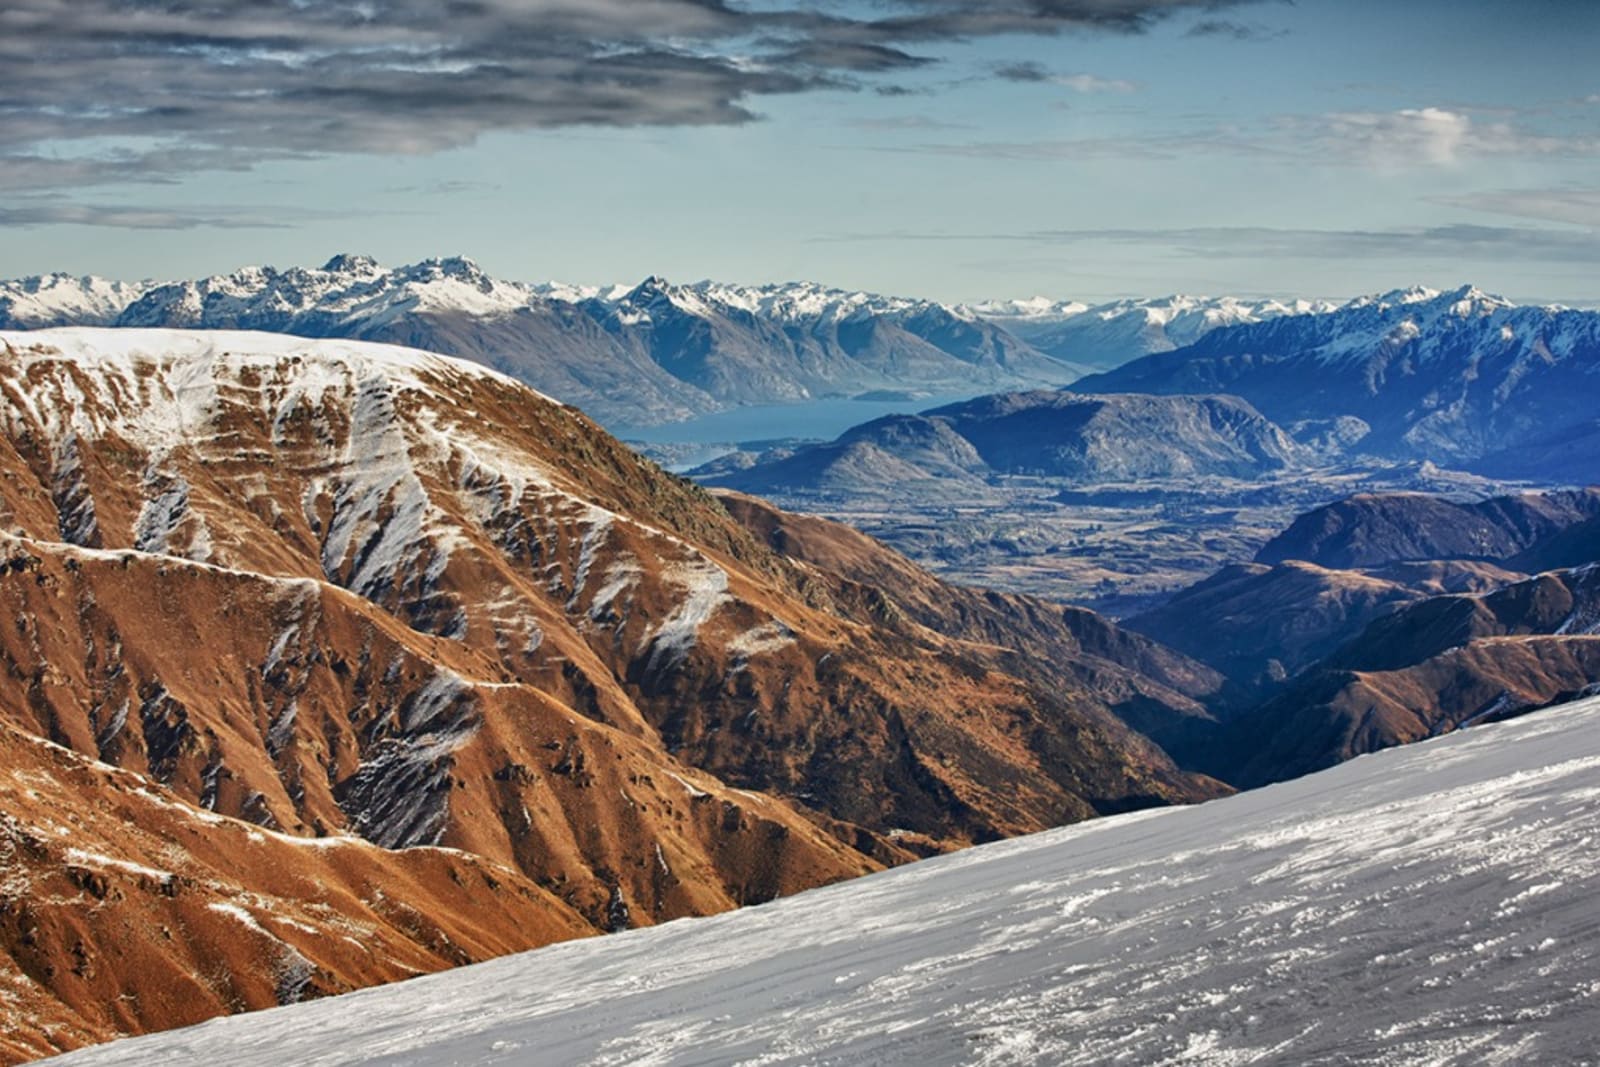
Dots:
{"x": 825, "y": 419}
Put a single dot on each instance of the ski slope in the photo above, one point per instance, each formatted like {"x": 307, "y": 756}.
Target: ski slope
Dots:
{"x": 1433, "y": 904}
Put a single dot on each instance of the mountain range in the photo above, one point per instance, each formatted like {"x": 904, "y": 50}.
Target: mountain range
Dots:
{"x": 1110, "y": 334}
{"x": 336, "y": 661}
{"x": 1460, "y": 378}
{"x": 656, "y": 352}
{"x": 1385, "y": 618}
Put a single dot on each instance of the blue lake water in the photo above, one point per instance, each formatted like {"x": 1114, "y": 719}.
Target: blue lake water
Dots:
{"x": 819, "y": 418}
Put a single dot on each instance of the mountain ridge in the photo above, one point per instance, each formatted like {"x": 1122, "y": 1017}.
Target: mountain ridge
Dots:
{"x": 650, "y": 353}
{"x": 1453, "y": 378}
{"x": 337, "y": 590}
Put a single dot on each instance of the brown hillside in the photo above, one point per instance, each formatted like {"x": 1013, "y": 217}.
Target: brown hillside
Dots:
{"x": 329, "y": 588}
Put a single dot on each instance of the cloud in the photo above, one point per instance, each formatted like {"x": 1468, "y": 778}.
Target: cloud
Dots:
{"x": 1090, "y": 83}
{"x": 1385, "y": 140}
{"x": 1237, "y": 31}
{"x": 1435, "y": 136}
{"x": 184, "y": 85}
{"x": 892, "y": 123}
{"x": 1402, "y": 138}
{"x": 1022, "y": 72}
{"x": 1448, "y": 242}
{"x": 446, "y": 187}
{"x": 134, "y": 217}
{"x": 1035, "y": 73}
{"x": 1571, "y": 205}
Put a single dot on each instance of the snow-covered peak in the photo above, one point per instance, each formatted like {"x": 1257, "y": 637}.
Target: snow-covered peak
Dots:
{"x": 1420, "y": 305}
{"x": 135, "y": 351}
{"x": 569, "y": 293}
{"x": 1120, "y": 330}
{"x": 1037, "y": 309}
{"x": 346, "y": 263}
{"x": 792, "y": 302}
{"x": 785, "y": 303}
{"x": 1469, "y": 300}
{"x": 1416, "y": 294}
{"x": 55, "y": 299}
{"x": 346, "y": 289}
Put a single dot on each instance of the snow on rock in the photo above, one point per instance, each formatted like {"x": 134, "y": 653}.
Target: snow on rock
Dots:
{"x": 1429, "y": 904}
{"x": 768, "y": 637}
{"x": 705, "y": 589}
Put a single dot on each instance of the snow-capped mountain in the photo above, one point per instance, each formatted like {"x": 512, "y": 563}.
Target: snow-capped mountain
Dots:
{"x": 1108, "y": 335}
{"x": 64, "y": 300}
{"x": 630, "y": 356}
{"x": 1432, "y": 904}
{"x": 1454, "y": 377}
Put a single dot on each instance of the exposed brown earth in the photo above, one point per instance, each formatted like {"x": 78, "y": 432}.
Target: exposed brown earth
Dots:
{"x": 361, "y": 595}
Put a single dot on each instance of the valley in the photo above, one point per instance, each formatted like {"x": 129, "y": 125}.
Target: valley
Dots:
{"x": 1117, "y": 548}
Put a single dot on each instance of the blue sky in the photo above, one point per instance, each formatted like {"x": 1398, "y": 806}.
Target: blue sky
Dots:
{"x": 1074, "y": 148}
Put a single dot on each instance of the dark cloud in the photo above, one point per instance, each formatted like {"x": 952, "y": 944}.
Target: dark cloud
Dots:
{"x": 1237, "y": 31}
{"x": 174, "y": 86}
{"x": 1022, "y": 72}
{"x": 851, "y": 56}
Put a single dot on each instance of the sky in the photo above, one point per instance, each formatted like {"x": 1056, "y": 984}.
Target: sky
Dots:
{"x": 952, "y": 149}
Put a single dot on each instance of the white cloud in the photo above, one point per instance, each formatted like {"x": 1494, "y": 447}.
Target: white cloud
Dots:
{"x": 1402, "y": 138}
{"x": 1091, "y": 83}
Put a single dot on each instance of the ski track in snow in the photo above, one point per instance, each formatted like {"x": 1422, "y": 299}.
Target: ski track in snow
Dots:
{"x": 1432, "y": 904}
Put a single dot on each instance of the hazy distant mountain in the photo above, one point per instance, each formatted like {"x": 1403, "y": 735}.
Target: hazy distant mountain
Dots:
{"x": 1453, "y": 377}
{"x": 1065, "y": 435}
{"x": 1376, "y": 529}
{"x": 654, "y": 353}
{"x": 1108, "y": 335}
{"x": 1339, "y": 567}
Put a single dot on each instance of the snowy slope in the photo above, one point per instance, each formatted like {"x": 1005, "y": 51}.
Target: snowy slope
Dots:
{"x": 1432, "y": 904}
